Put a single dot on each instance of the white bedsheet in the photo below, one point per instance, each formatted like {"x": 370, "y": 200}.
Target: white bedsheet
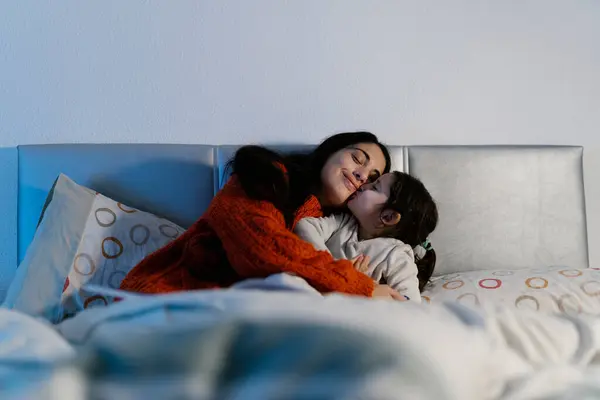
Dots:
{"x": 377, "y": 349}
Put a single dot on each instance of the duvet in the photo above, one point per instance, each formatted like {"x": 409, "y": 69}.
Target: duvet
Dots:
{"x": 278, "y": 338}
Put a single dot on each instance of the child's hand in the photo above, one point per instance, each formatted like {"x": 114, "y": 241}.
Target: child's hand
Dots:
{"x": 386, "y": 292}
{"x": 361, "y": 263}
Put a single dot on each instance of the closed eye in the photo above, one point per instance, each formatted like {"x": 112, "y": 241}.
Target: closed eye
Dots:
{"x": 360, "y": 158}
{"x": 357, "y": 157}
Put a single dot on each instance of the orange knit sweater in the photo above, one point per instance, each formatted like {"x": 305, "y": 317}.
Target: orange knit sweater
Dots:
{"x": 240, "y": 238}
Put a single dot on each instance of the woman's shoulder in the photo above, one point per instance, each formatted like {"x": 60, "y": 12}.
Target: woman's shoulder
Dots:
{"x": 310, "y": 208}
{"x": 234, "y": 198}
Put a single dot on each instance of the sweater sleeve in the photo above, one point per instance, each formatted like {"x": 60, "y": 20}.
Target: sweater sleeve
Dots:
{"x": 258, "y": 244}
{"x": 400, "y": 273}
{"x": 317, "y": 231}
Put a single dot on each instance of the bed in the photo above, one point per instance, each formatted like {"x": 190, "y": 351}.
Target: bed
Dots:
{"x": 513, "y": 299}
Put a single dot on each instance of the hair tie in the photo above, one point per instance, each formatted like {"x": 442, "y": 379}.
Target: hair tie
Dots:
{"x": 426, "y": 245}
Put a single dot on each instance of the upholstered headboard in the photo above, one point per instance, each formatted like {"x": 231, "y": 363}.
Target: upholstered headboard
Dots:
{"x": 500, "y": 207}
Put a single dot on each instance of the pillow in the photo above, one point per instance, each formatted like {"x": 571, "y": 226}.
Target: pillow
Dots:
{"x": 551, "y": 289}
{"x": 84, "y": 237}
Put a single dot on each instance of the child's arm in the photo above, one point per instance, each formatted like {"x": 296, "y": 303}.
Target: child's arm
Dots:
{"x": 317, "y": 231}
{"x": 400, "y": 273}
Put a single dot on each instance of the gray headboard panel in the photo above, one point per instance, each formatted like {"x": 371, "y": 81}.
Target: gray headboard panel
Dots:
{"x": 173, "y": 181}
{"x": 505, "y": 207}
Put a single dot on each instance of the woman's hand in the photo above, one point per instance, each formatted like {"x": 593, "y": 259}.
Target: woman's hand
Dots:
{"x": 386, "y": 292}
{"x": 361, "y": 263}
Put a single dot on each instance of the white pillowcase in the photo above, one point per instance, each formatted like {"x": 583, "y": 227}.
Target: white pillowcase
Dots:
{"x": 550, "y": 289}
{"x": 84, "y": 237}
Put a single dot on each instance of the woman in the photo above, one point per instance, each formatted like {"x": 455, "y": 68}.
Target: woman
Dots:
{"x": 246, "y": 232}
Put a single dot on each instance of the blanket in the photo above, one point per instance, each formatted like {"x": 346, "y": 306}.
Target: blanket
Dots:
{"x": 246, "y": 342}
{"x": 33, "y": 357}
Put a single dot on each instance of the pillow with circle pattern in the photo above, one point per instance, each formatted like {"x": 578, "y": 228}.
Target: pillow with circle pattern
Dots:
{"x": 550, "y": 289}
{"x": 83, "y": 238}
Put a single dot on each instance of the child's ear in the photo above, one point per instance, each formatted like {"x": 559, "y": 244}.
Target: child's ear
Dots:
{"x": 390, "y": 217}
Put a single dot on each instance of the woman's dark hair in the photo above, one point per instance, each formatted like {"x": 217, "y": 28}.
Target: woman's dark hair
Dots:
{"x": 418, "y": 218}
{"x": 257, "y": 170}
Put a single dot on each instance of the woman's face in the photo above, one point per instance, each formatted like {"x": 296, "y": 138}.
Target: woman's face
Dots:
{"x": 346, "y": 170}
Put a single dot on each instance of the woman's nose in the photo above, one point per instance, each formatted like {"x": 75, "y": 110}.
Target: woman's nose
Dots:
{"x": 360, "y": 176}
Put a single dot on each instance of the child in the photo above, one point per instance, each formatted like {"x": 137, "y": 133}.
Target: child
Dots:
{"x": 390, "y": 217}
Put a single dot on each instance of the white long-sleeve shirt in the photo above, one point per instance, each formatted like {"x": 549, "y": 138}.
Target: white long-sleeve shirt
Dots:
{"x": 390, "y": 259}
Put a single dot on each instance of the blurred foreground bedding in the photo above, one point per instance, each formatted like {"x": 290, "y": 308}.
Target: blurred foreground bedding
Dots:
{"x": 250, "y": 343}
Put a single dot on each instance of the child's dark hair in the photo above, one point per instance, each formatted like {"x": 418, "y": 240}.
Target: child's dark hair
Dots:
{"x": 418, "y": 218}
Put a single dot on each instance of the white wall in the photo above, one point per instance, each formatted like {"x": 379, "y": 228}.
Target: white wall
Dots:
{"x": 414, "y": 72}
